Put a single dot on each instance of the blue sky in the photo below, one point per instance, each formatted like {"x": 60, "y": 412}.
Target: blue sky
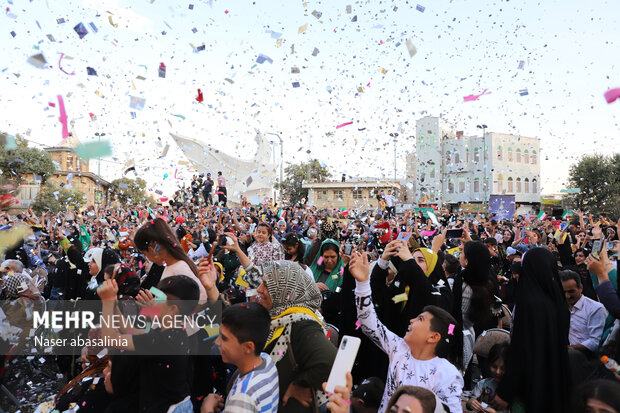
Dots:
{"x": 570, "y": 50}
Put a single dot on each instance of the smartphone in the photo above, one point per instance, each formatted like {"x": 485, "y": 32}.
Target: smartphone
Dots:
{"x": 610, "y": 245}
{"x": 347, "y": 249}
{"x": 597, "y": 247}
{"x": 404, "y": 236}
{"x": 454, "y": 233}
{"x": 343, "y": 362}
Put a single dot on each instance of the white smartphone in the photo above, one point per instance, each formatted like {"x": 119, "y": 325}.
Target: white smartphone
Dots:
{"x": 343, "y": 362}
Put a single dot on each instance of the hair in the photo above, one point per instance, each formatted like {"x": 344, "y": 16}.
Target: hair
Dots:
{"x": 583, "y": 251}
{"x": 370, "y": 391}
{"x": 183, "y": 290}
{"x": 269, "y": 229}
{"x": 248, "y": 322}
{"x": 541, "y": 237}
{"x": 19, "y": 266}
{"x": 567, "y": 275}
{"x": 606, "y": 391}
{"x": 499, "y": 351}
{"x": 157, "y": 232}
{"x": 476, "y": 275}
{"x": 330, "y": 247}
{"x": 490, "y": 240}
{"x": 424, "y": 396}
{"x": 291, "y": 240}
{"x": 452, "y": 263}
{"x": 440, "y": 323}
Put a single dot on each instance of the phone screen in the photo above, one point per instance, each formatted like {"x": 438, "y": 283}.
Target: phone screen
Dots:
{"x": 454, "y": 233}
{"x": 597, "y": 246}
{"x": 404, "y": 236}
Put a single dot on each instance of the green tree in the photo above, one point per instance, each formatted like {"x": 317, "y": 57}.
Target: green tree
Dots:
{"x": 22, "y": 160}
{"x": 298, "y": 174}
{"x": 57, "y": 199}
{"x": 598, "y": 178}
{"x": 130, "y": 191}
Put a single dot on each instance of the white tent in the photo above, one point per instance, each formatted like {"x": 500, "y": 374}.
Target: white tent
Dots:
{"x": 253, "y": 178}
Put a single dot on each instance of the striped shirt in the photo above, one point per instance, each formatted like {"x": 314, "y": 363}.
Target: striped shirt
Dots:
{"x": 256, "y": 391}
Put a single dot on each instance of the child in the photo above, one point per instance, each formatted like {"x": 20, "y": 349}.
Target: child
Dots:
{"x": 417, "y": 359}
{"x": 243, "y": 335}
{"x": 164, "y": 371}
{"x": 485, "y": 389}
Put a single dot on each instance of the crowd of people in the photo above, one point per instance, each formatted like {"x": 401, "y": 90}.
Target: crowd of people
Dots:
{"x": 455, "y": 312}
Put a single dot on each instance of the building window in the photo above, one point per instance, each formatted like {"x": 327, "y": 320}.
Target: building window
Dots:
{"x": 422, "y": 173}
{"x": 433, "y": 172}
{"x": 461, "y": 186}
{"x": 69, "y": 166}
{"x": 518, "y": 185}
{"x": 509, "y": 154}
{"x": 518, "y": 155}
{"x": 338, "y": 195}
{"x": 448, "y": 158}
{"x": 476, "y": 155}
{"x": 431, "y": 140}
{"x": 510, "y": 186}
{"x": 533, "y": 157}
{"x": 451, "y": 186}
{"x": 321, "y": 195}
{"x": 466, "y": 155}
{"x": 457, "y": 157}
{"x": 526, "y": 185}
{"x": 477, "y": 185}
{"x": 499, "y": 153}
{"x": 534, "y": 186}
{"x": 526, "y": 156}
{"x": 358, "y": 194}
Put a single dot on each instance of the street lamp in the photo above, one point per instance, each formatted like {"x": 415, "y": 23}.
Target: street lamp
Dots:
{"x": 484, "y": 159}
{"x": 281, "y": 161}
{"x": 394, "y": 135}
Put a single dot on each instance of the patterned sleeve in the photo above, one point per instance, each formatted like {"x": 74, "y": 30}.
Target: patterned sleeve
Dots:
{"x": 450, "y": 392}
{"x": 240, "y": 403}
{"x": 371, "y": 326}
{"x": 278, "y": 252}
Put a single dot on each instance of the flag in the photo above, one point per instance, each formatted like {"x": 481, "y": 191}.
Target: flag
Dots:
{"x": 566, "y": 213}
{"x": 541, "y": 215}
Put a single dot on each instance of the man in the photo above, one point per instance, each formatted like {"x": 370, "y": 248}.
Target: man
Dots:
{"x": 207, "y": 189}
{"x": 587, "y": 318}
{"x": 221, "y": 189}
{"x": 195, "y": 189}
{"x": 390, "y": 201}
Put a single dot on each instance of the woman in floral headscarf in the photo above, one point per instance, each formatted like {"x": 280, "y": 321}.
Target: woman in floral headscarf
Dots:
{"x": 297, "y": 340}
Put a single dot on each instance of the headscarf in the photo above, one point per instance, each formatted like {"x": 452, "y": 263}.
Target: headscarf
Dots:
{"x": 334, "y": 279}
{"x": 431, "y": 259}
{"x": 329, "y": 230}
{"x": 94, "y": 254}
{"x": 289, "y": 286}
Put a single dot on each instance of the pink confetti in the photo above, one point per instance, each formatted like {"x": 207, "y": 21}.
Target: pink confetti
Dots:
{"x": 451, "y": 330}
{"x": 343, "y": 124}
{"x": 471, "y": 98}
{"x": 320, "y": 261}
{"x": 612, "y": 94}
{"x": 52, "y": 104}
{"x": 357, "y": 325}
{"x": 226, "y": 11}
{"x": 140, "y": 264}
{"x": 368, "y": 85}
{"x": 341, "y": 271}
{"x": 63, "y": 117}
{"x": 60, "y": 67}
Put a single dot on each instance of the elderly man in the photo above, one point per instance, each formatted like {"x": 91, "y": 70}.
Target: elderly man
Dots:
{"x": 587, "y": 317}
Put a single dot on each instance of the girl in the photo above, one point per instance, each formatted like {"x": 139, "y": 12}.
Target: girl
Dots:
{"x": 485, "y": 389}
{"x": 264, "y": 250}
{"x": 419, "y": 358}
{"x": 158, "y": 243}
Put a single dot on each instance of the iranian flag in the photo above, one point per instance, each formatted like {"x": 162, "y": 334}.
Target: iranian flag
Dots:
{"x": 566, "y": 213}
{"x": 281, "y": 213}
{"x": 541, "y": 215}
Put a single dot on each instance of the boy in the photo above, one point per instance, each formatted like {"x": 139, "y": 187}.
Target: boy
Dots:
{"x": 165, "y": 368}
{"x": 243, "y": 334}
{"x": 418, "y": 358}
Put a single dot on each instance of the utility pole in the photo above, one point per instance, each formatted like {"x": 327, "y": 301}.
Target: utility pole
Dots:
{"x": 484, "y": 127}
{"x": 394, "y": 135}
{"x": 281, "y": 161}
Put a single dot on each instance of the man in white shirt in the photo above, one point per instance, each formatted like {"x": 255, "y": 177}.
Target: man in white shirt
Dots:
{"x": 389, "y": 203}
{"x": 587, "y": 317}
{"x": 221, "y": 189}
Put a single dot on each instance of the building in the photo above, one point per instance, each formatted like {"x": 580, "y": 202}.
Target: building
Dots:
{"x": 349, "y": 195}
{"x": 71, "y": 173}
{"x": 453, "y": 168}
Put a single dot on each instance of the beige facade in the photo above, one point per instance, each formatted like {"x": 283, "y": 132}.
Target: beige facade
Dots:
{"x": 349, "y": 195}
{"x": 67, "y": 162}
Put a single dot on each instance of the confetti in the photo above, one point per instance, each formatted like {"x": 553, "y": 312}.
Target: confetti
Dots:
{"x": 162, "y": 70}
{"x": 199, "y": 99}
{"x": 612, "y": 94}
{"x": 411, "y": 48}
{"x": 91, "y": 71}
{"x": 357, "y": 325}
{"x": 315, "y": 52}
{"x": 523, "y": 92}
{"x": 295, "y": 84}
{"x": 111, "y": 22}
{"x": 92, "y": 26}
{"x": 262, "y": 59}
{"x": 521, "y": 64}
{"x": 38, "y": 61}
{"x": 63, "y": 117}
{"x": 471, "y": 98}
{"x": 420, "y": 8}
{"x": 136, "y": 102}
{"x": 81, "y": 30}
{"x": 343, "y": 125}
{"x": 317, "y": 14}
{"x": 62, "y": 55}
{"x": 302, "y": 28}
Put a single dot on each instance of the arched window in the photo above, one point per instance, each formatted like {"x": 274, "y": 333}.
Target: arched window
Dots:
{"x": 457, "y": 157}
{"x": 499, "y": 153}
{"x": 431, "y": 140}
{"x": 466, "y": 155}
{"x": 451, "y": 186}
{"x": 433, "y": 172}
{"x": 526, "y": 184}
{"x": 461, "y": 185}
{"x": 476, "y": 154}
{"x": 422, "y": 173}
{"x": 526, "y": 156}
{"x": 518, "y": 155}
{"x": 510, "y": 185}
{"x": 477, "y": 185}
{"x": 534, "y": 186}
{"x": 421, "y": 141}
{"x": 509, "y": 154}
{"x": 448, "y": 158}
{"x": 533, "y": 157}
{"x": 518, "y": 185}
{"x": 500, "y": 183}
